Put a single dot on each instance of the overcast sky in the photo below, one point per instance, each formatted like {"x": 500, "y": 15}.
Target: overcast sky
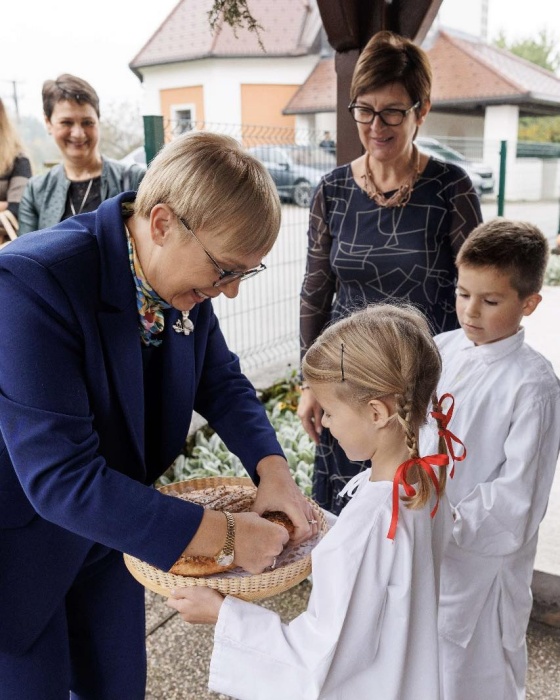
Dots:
{"x": 97, "y": 40}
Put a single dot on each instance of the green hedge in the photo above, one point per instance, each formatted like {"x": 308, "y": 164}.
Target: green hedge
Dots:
{"x": 206, "y": 455}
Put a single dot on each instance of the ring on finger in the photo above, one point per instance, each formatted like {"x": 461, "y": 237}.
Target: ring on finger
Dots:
{"x": 312, "y": 522}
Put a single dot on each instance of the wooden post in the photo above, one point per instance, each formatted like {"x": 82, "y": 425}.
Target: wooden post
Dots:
{"x": 348, "y": 146}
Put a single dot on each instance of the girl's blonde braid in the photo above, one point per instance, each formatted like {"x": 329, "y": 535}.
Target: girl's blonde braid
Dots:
{"x": 442, "y": 446}
{"x": 416, "y": 476}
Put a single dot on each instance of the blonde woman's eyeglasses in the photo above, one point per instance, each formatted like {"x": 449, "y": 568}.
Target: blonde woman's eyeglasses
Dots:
{"x": 225, "y": 276}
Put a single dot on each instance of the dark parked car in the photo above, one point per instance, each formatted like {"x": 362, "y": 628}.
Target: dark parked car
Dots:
{"x": 296, "y": 170}
{"x": 482, "y": 175}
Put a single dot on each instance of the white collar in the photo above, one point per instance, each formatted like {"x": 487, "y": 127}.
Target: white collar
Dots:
{"x": 491, "y": 352}
{"x": 354, "y": 484}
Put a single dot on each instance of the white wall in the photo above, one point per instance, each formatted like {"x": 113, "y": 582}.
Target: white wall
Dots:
{"x": 305, "y": 129}
{"x": 527, "y": 178}
{"x": 531, "y": 179}
{"x": 453, "y": 126}
{"x": 551, "y": 179}
{"x": 325, "y": 121}
{"x": 221, "y": 79}
{"x": 310, "y": 127}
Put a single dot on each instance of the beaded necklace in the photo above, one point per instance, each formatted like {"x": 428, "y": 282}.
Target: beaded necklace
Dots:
{"x": 400, "y": 197}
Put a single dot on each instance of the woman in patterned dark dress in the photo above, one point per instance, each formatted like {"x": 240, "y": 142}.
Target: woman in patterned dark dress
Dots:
{"x": 386, "y": 226}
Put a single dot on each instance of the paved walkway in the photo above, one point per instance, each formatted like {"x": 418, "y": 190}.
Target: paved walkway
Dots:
{"x": 179, "y": 654}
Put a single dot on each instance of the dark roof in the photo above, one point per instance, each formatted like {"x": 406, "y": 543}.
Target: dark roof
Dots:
{"x": 289, "y": 28}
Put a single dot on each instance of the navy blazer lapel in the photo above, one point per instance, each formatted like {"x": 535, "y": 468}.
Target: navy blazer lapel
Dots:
{"x": 118, "y": 321}
{"x": 178, "y": 387}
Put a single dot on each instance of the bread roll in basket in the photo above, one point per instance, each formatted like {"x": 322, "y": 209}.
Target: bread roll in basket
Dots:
{"x": 235, "y": 499}
{"x": 235, "y": 494}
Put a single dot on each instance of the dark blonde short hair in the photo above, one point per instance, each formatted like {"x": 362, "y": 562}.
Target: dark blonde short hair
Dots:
{"x": 516, "y": 248}
{"x": 211, "y": 182}
{"x": 68, "y": 87}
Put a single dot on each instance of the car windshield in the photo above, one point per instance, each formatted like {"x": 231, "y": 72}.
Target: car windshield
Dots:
{"x": 313, "y": 157}
{"x": 444, "y": 152}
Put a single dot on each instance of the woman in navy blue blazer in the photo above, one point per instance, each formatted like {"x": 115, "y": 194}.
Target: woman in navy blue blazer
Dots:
{"x": 108, "y": 342}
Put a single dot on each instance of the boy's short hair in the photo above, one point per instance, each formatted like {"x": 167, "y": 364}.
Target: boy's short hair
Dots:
{"x": 517, "y": 248}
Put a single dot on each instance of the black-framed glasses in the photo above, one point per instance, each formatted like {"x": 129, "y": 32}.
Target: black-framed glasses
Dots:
{"x": 225, "y": 276}
{"x": 390, "y": 116}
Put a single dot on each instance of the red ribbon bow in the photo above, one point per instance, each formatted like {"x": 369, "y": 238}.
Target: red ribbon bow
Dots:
{"x": 425, "y": 463}
{"x": 446, "y": 434}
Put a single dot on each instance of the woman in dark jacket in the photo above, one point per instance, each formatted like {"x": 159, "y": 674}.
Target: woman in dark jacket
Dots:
{"x": 85, "y": 178}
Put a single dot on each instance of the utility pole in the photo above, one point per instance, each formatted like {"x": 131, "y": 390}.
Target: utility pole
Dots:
{"x": 15, "y": 98}
{"x": 16, "y": 102}
{"x": 484, "y": 20}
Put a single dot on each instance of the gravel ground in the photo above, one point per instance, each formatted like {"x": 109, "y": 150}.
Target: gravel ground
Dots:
{"x": 179, "y": 654}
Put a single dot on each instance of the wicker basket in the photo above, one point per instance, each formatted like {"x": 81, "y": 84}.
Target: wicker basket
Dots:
{"x": 236, "y": 582}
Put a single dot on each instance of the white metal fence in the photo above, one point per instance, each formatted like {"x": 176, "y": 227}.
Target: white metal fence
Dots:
{"x": 262, "y": 324}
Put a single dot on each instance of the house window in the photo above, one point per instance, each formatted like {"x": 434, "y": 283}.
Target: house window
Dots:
{"x": 183, "y": 117}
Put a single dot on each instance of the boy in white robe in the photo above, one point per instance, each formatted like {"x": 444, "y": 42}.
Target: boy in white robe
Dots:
{"x": 509, "y": 420}
{"x": 370, "y": 630}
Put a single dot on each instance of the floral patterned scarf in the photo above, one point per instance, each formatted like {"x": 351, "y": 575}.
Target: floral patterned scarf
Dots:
{"x": 150, "y": 305}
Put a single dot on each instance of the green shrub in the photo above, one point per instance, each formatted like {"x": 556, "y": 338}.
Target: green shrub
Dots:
{"x": 206, "y": 455}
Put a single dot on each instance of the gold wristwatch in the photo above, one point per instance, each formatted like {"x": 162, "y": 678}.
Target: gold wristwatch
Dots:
{"x": 226, "y": 555}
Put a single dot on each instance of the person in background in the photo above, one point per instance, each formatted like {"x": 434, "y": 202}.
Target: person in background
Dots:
{"x": 328, "y": 143}
{"x": 385, "y": 226}
{"x": 370, "y": 629}
{"x": 111, "y": 345}
{"x": 15, "y": 171}
{"x": 84, "y": 178}
{"x": 508, "y": 415}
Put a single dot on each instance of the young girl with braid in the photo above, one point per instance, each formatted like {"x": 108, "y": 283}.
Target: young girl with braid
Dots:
{"x": 370, "y": 629}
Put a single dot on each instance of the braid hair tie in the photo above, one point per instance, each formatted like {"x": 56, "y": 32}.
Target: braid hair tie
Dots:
{"x": 425, "y": 463}
{"x": 443, "y": 421}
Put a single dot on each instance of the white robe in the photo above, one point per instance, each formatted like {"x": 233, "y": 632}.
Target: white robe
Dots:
{"x": 507, "y": 412}
{"x": 370, "y": 630}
